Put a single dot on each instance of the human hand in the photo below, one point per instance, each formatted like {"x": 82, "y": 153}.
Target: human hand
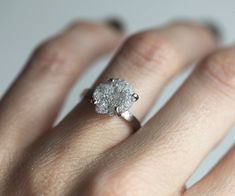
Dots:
{"x": 89, "y": 154}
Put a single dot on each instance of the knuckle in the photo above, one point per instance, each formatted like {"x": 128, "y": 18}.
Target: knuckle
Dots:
{"x": 151, "y": 49}
{"x": 55, "y": 57}
{"x": 221, "y": 67}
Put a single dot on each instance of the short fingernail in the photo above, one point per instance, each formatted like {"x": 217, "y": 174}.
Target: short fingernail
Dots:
{"x": 214, "y": 28}
{"x": 116, "y": 24}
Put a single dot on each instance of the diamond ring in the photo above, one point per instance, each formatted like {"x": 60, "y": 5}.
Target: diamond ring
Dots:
{"x": 115, "y": 97}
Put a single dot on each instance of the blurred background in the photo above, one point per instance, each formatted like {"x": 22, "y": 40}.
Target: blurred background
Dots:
{"x": 24, "y": 23}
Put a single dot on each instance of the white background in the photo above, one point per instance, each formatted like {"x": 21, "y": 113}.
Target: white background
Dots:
{"x": 24, "y": 23}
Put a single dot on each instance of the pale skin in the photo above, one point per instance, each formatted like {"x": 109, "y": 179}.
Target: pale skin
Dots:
{"x": 89, "y": 154}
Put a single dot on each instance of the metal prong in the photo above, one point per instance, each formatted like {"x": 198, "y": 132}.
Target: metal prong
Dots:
{"x": 93, "y": 101}
{"x": 135, "y": 97}
{"x": 111, "y": 80}
{"x": 117, "y": 111}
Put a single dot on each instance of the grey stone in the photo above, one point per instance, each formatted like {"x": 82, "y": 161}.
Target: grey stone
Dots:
{"x": 112, "y": 94}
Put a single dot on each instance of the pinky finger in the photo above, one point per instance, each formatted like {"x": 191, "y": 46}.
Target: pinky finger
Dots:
{"x": 220, "y": 181}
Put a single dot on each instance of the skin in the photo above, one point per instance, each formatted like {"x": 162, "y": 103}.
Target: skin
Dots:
{"x": 88, "y": 154}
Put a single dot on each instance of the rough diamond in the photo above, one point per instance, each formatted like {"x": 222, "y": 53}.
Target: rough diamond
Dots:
{"x": 112, "y": 96}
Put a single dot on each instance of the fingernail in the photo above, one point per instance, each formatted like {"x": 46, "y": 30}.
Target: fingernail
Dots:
{"x": 215, "y": 29}
{"x": 116, "y": 23}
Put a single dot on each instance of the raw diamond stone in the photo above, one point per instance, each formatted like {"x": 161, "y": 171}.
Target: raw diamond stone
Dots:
{"x": 112, "y": 94}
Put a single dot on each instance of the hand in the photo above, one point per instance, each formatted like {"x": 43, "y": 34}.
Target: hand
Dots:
{"x": 89, "y": 154}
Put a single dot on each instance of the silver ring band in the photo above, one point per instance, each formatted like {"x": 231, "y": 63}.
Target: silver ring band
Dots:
{"x": 128, "y": 116}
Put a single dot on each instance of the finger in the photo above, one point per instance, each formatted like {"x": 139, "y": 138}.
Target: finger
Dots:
{"x": 220, "y": 180}
{"x": 147, "y": 60}
{"x": 174, "y": 142}
{"x": 32, "y": 103}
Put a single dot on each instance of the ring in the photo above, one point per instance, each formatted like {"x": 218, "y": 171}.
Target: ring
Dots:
{"x": 115, "y": 97}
